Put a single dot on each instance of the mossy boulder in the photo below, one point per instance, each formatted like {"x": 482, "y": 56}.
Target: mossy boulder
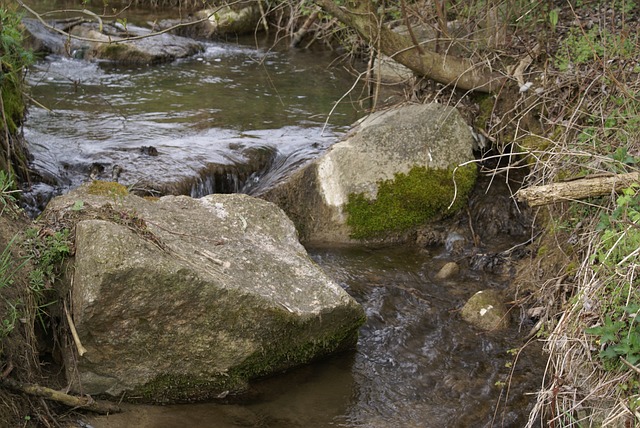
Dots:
{"x": 242, "y": 18}
{"x": 218, "y": 21}
{"x": 409, "y": 200}
{"x": 395, "y": 171}
{"x": 185, "y": 299}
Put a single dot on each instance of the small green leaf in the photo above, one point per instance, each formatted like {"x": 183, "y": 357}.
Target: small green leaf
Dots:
{"x": 77, "y": 206}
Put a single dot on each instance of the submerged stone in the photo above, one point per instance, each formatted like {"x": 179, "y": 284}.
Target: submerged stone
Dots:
{"x": 448, "y": 271}
{"x": 188, "y": 299}
{"x": 486, "y": 310}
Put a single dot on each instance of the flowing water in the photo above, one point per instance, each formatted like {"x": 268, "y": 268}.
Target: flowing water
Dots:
{"x": 212, "y": 123}
{"x": 417, "y": 364}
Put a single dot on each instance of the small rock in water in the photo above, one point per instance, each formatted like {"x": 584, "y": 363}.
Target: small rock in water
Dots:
{"x": 454, "y": 243}
{"x": 149, "y": 150}
{"x": 486, "y": 310}
{"x": 447, "y": 271}
{"x": 95, "y": 170}
{"x": 115, "y": 173}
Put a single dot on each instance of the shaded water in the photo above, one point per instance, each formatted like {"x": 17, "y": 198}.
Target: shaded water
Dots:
{"x": 417, "y": 364}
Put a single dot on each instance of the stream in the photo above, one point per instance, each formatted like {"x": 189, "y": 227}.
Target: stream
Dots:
{"x": 231, "y": 119}
{"x": 417, "y": 364}
{"x": 188, "y": 127}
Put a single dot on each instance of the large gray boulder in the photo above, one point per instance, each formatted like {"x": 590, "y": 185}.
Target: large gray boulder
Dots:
{"x": 184, "y": 299}
{"x": 391, "y": 173}
{"x": 110, "y": 42}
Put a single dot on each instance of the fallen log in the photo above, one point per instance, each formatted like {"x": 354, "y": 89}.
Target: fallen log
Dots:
{"x": 297, "y": 37}
{"x": 84, "y": 403}
{"x": 576, "y": 189}
{"x": 461, "y": 73}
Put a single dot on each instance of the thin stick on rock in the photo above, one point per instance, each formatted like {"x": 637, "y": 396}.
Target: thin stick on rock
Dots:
{"x": 81, "y": 349}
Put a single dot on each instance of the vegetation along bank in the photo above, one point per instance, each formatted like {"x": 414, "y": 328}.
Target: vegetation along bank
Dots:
{"x": 552, "y": 91}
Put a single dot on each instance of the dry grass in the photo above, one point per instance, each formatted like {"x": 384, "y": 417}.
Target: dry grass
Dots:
{"x": 583, "y": 121}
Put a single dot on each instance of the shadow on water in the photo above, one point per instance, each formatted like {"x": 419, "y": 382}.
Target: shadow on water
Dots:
{"x": 417, "y": 364}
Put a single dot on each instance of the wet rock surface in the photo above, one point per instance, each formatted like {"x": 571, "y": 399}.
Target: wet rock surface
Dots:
{"x": 486, "y": 311}
{"x": 93, "y": 41}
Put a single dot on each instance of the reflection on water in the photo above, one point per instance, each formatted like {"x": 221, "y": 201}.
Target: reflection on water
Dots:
{"x": 196, "y": 112}
{"x": 417, "y": 364}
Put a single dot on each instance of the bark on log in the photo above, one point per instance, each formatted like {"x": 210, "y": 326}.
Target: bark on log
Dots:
{"x": 461, "y": 73}
{"x": 577, "y": 189}
{"x": 297, "y": 37}
{"x": 85, "y": 403}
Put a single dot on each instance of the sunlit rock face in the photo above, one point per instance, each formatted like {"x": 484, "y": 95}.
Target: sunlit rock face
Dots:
{"x": 184, "y": 299}
{"x": 409, "y": 151}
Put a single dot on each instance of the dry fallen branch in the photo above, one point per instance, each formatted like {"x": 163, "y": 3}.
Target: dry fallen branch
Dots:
{"x": 74, "y": 333}
{"x": 576, "y": 189}
{"x": 85, "y": 403}
{"x": 461, "y": 73}
{"x": 297, "y": 37}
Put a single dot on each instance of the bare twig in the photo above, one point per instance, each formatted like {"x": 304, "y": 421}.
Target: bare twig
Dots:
{"x": 81, "y": 349}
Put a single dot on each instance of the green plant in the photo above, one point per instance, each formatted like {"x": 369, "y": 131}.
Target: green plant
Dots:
{"x": 619, "y": 338}
{"x": 616, "y": 255}
{"x": 554, "y": 15}
{"x": 580, "y": 47}
{"x": 8, "y": 270}
{"x": 9, "y": 320}
{"x": 620, "y": 230}
{"x": 6, "y": 191}
{"x": 48, "y": 253}
{"x": 78, "y": 206}
{"x": 13, "y": 59}
{"x": 48, "y": 250}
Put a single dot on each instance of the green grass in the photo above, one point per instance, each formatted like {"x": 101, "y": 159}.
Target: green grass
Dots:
{"x": 618, "y": 334}
{"x": 8, "y": 269}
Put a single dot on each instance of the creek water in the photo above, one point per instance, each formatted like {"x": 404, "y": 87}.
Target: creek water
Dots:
{"x": 231, "y": 119}
{"x": 417, "y": 364}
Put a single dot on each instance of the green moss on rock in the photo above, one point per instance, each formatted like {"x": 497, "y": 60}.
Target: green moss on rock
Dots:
{"x": 409, "y": 200}
{"x": 123, "y": 53}
{"x": 107, "y": 188}
{"x": 294, "y": 346}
